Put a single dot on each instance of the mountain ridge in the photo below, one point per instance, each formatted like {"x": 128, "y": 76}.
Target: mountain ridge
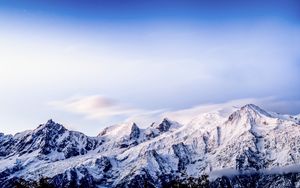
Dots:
{"x": 249, "y": 142}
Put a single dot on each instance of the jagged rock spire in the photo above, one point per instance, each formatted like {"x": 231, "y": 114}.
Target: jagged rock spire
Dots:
{"x": 135, "y": 132}
{"x": 165, "y": 125}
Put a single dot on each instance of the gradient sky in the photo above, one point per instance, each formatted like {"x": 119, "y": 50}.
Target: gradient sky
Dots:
{"x": 89, "y": 64}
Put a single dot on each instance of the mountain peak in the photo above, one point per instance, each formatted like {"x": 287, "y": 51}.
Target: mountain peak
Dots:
{"x": 119, "y": 131}
{"x": 50, "y": 121}
{"x": 52, "y": 126}
{"x": 255, "y": 109}
{"x": 164, "y": 125}
{"x": 135, "y": 132}
{"x": 253, "y": 106}
{"x": 126, "y": 155}
{"x": 249, "y": 110}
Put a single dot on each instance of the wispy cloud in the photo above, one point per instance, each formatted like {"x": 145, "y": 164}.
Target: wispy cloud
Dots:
{"x": 99, "y": 107}
{"x": 269, "y": 103}
{"x": 95, "y": 106}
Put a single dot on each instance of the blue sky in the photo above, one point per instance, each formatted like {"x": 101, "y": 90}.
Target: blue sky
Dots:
{"x": 89, "y": 64}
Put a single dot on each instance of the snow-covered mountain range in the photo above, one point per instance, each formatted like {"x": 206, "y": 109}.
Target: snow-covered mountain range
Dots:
{"x": 244, "y": 147}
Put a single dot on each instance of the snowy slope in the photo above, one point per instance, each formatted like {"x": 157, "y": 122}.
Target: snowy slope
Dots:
{"x": 222, "y": 142}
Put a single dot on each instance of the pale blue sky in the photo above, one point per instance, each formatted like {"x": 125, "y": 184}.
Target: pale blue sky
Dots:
{"x": 90, "y": 65}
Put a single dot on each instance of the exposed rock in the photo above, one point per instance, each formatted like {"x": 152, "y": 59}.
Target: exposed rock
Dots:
{"x": 248, "y": 147}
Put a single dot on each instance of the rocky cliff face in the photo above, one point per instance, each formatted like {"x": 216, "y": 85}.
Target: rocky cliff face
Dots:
{"x": 248, "y": 147}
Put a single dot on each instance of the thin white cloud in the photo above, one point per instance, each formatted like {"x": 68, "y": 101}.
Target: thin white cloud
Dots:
{"x": 99, "y": 107}
{"x": 269, "y": 103}
{"x": 94, "y": 107}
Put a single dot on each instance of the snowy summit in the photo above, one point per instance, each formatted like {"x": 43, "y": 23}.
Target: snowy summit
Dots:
{"x": 213, "y": 149}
